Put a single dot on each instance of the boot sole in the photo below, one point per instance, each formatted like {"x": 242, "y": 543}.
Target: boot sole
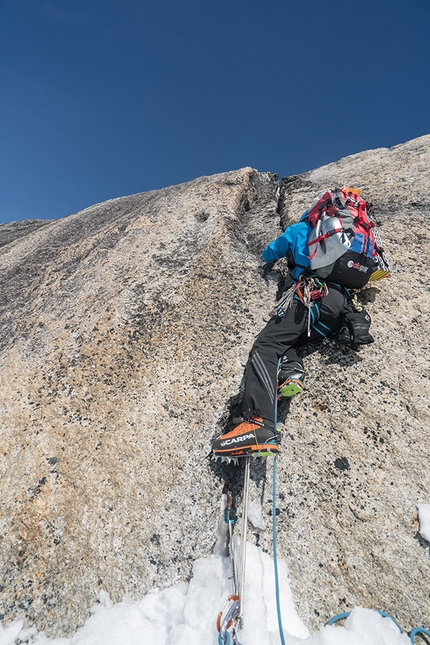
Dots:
{"x": 263, "y": 450}
{"x": 290, "y": 390}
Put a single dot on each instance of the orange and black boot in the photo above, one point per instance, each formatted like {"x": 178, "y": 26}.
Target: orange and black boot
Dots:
{"x": 249, "y": 437}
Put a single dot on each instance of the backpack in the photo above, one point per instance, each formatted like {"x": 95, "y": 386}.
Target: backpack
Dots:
{"x": 344, "y": 245}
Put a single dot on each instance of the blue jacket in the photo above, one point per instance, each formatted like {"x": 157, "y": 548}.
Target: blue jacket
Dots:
{"x": 294, "y": 239}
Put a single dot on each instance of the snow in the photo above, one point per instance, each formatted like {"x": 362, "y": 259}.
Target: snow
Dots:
{"x": 424, "y": 515}
{"x": 186, "y": 614}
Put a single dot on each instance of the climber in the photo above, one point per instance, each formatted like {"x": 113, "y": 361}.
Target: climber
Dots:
{"x": 317, "y": 310}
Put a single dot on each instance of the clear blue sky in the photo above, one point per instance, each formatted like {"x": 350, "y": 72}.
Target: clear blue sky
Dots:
{"x": 104, "y": 98}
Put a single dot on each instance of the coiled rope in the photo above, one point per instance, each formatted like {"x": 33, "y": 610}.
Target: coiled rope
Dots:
{"x": 412, "y": 633}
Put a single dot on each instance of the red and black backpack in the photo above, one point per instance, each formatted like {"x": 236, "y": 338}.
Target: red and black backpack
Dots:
{"x": 344, "y": 245}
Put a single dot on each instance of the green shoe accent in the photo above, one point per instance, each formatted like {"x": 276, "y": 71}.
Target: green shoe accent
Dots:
{"x": 290, "y": 389}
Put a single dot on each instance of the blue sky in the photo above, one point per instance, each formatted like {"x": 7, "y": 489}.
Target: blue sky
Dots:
{"x": 104, "y": 98}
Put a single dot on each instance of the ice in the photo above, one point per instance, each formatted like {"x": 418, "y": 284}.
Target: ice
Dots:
{"x": 260, "y": 616}
{"x": 424, "y": 515}
{"x": 221, "y": 545}
{"x": 255, "y": 514}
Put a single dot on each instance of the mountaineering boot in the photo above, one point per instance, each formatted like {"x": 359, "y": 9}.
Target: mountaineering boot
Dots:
{"x": 251, "y": 436}
{"x": 291, "y": 377}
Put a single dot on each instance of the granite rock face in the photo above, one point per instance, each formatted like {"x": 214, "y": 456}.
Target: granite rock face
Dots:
{"x": 124, "y": 333}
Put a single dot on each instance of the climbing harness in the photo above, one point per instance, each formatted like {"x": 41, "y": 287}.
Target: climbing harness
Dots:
{"x": 411, "y": 634}
{"x": 310, "y": 288}
{"x": 307, "y": 289}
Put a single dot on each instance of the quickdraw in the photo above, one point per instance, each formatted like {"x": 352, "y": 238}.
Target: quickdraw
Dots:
{"x": 309, "y": 289}
{"x": 284, "y": 303}
{"x": 230, "y": 516}
{"x": 306, "y": 289}
{"x": 231, "y": 616}
{"x": 227, "y": 618}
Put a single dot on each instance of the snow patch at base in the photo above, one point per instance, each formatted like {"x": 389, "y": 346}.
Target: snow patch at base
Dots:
{"x": 185, "y": 614}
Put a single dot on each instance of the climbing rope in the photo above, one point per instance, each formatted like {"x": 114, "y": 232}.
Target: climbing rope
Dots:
{"x": 418, "y": 630}
{"x": 227, "y": 617}
{"x": 275, "y": 555}
{"x": 412, "y": 634}
{"x": 338, "y": 617}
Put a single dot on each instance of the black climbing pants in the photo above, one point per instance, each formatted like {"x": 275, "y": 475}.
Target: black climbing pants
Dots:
{"x": 283, "y": 335}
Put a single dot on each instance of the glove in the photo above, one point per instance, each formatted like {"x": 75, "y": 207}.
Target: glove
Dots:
{"x": 356, "y": 330}
{"x": 266, "y": 269}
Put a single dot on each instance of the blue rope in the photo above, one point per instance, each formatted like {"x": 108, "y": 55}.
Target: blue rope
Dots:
{"x": 227, "y": 639}
{"x": 418, "y": 630}
{"x": 275, "y": 557}
{"x": 346, "y": 614}
{"x": 412, "y": 634}
{"x": 338, "y": 617}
